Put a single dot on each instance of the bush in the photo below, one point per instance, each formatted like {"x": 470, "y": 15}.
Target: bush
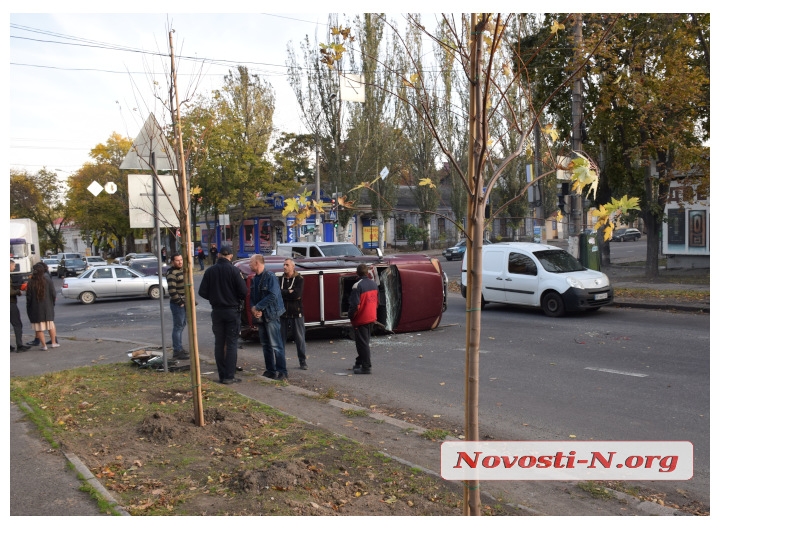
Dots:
{"x": 415, "y": 234}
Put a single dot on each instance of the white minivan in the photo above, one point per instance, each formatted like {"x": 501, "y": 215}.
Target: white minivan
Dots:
{"x": 538, "y": 275}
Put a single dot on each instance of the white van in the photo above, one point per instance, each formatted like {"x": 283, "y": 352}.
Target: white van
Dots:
{"x": 538, "y": 275}
{"x": 317, "y": 249}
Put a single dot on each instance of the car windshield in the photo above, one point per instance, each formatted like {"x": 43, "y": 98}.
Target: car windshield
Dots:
{"x": 345, "y": 248}
{"x": 618, "y": 232}
{"x": 50, "y": 261}
{"x": 73, "y": 262}
{"x": 558, "y": 261}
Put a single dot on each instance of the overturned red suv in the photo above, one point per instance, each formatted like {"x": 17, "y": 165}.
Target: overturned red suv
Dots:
{"x": 412, "y": 291}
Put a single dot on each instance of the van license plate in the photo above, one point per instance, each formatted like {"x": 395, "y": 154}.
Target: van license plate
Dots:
{"x": 601, "y": 296}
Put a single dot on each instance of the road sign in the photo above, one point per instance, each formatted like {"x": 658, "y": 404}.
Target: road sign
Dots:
{"x": 384, "y": 173}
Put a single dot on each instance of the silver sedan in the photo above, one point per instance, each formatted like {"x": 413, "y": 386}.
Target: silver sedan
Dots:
{"x": 112, "y": 282}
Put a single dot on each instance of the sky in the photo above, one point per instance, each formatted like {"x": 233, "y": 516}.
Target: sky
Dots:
{"x": 78, "y": 78}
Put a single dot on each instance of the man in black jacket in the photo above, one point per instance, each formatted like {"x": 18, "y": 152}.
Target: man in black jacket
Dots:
{"x": 224, "y": 287}
{"x": 16, "y": 320}
{"x": 293, "y": 319}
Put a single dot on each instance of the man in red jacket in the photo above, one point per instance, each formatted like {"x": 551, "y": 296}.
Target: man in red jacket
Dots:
{"x": 362, "y": 313}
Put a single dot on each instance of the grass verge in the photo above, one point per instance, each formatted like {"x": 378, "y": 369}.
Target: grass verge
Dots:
{"x": 134, "y": 429}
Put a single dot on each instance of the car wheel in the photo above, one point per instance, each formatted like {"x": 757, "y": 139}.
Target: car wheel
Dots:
{"x": 483, "y": 302}
{"x": 87, "y": 297}
{"x": 553, "y": 305}
{"x": 154, "y": 292}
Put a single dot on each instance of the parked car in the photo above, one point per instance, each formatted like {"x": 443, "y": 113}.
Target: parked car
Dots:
{"x": 538, "y": 275}
{"x": 52, "y": 265}
{"x": 70, "y": 267}
{"x": 113, "y": 282}
{"x": 317, "y": 249}
{"x": 412, "y": 291}
{"x": 626, "y": 234}
{"x": 66, "y": 255}
{"x": 93, "y": 260}
{"x": 134, "y": 255}
{"x": 148, "y": 266}
{"x": 457, "y": 252}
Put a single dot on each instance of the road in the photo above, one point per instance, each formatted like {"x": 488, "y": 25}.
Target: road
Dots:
{"x": 618, "y": 374}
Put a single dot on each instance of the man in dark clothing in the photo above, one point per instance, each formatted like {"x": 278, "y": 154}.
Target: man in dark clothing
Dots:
{"x": 224, "y": 287}
{"x": 293, "y": 319}
{"x": 362, "y": 313}
{"x": 177, "y": 304}
{"x": 16, "y": 320}
{"x": 201, "y": 257}
{"x": 213, "y": 253}
{"x": 267, "y": 305}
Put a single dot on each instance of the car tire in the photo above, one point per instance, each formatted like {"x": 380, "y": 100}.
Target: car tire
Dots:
{"x": 87, "y": 297}
{"x": 553, "y": 305}
{"x": 154, "y": 292}
{"x": 483, "y": 302}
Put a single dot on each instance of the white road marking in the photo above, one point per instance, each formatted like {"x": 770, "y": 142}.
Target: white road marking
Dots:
{"x": 634, "y": 374}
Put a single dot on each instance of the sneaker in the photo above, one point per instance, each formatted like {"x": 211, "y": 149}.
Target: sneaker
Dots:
{"x": 303, "y": 366}
{"x": 34, "y": 342}
{"x": 282, "y": 376}
{"x": 180, "y": 354}
{"x": 231, "y": 380}
{"x": 270, "y": 374}
{"x": 362, "y": 370}
{"x": 56, "y": 345}
{"x": 43, "y": 348}
{"x": 22, "y": 348}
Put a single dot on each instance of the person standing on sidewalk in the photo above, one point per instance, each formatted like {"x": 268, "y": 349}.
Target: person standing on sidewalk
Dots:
{"x": 362, "y": 313}
{"x": 293, "y": 319}
{"x": 213, "y": 252}
{"x": 224, "y": 287}
{"x": 177, "y": 304}
{"x": 16, "y": 321}
{"x": 201, "y": 257}
{"x": 40, "y": 304}
{"x": 267, "y": 307}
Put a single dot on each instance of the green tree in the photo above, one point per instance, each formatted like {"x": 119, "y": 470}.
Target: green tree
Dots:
{"x": 104, "y": 218}
{"x": 238, "y": 145}
{"x": 40, "y": 197}
{"x": 652, "y": 110}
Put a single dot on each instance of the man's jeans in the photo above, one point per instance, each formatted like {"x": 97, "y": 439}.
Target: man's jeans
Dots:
{"x": 269, "y": 333}
{"x": 178, "y": 324}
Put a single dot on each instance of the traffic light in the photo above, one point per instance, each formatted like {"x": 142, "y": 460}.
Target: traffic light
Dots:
{"x": 562, "y": 197}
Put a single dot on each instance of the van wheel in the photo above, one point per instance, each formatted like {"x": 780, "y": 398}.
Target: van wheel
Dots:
{"x": 87, "y": 297}
{"x": 553, "y": 305}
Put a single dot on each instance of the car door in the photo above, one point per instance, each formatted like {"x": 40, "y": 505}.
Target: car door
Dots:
{"x": 521, "y": 279}
{"x": 102, "y": 282}
{"x": 129, "y": 283}
{"x": 493, "y": 275}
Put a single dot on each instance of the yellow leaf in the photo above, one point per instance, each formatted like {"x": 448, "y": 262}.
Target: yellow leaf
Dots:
{"x": 414, "y": 78}
{"x": 549, "y": 130}
{"x": 426, "y": 182}
{"x": 556, "y": 26}
{"x": 506, "y": 70}
{"x": 407, "y": 83}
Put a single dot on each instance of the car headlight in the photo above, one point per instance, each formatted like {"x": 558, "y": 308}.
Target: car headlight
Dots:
{"x": 574, "y": 283}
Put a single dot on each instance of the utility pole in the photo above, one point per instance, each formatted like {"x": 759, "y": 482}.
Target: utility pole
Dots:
{"x": 575, "y": 200}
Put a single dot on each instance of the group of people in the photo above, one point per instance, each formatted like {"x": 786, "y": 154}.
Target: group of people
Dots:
{"x": 277, "y": 307}
{"x": 40, "y": 300}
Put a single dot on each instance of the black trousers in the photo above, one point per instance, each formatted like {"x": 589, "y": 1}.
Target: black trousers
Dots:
{"x": 16, "y": 322}
{"x": 362, "y": 334}
{"x": 225, "y": 326}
